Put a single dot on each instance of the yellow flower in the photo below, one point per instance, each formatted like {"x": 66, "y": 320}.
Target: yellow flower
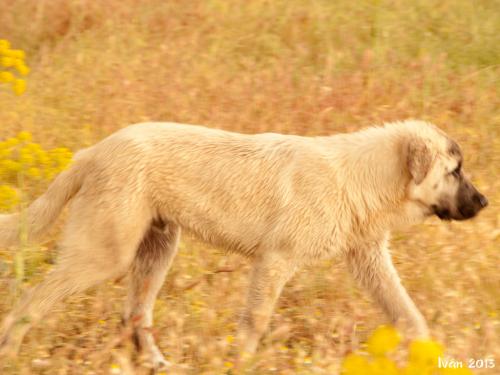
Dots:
{"x": 383, "y": 340}
{"x": 4, "y": 153}
{"x": 6, "y": 77}
{"x": 4, "y": 45}
{"x": 8, "y": 197}
{"x": 11, "y": 142}
{"x": 354, "y": 364}
{"x": 21, "y": 67}
{"x": 10, "y": 166}
{"x": 43, "y": 158}
{"x": 425, "y": 352}
{"x": 34, "y": 173}
{"x": 19, "y": 86}
{"x": 25, "y": 156}
{"x": 24, "y": 136}
{"x": 383, "y": 366}
{"x": 7, "y": 61}
{"x": 34, "y": 147}
{"x": 61, "y": 157}
{"x": 15, "y": 54}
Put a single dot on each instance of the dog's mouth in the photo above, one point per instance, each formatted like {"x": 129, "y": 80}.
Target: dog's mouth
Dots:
{"x": 446, "y": 214}
{"x": 442, "y": 213}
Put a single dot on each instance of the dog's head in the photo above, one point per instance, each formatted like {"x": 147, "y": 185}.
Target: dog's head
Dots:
{"x": 438, "y": 183}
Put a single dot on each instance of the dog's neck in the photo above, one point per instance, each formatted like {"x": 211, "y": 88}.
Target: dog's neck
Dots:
{"x": 371, "y": 169}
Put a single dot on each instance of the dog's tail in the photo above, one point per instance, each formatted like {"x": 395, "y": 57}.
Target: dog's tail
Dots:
{"x": 40, "y": 214}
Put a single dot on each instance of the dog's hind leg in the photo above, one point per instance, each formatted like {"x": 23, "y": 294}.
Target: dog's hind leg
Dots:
{"x": 148, "y": 271}
{"x": 270, "y": 273}
{"x": 88, "y": 256}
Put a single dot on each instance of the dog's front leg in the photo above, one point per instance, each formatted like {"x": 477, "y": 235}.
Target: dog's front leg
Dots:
{"x": 270, "y": 273}
{"x": 372, "y": 267}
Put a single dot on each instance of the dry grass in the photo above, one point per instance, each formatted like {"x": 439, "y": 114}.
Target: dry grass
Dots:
{"x": 290, "y": 66}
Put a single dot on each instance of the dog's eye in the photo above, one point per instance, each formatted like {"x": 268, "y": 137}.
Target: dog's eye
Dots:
{"x": 456, "y": 171}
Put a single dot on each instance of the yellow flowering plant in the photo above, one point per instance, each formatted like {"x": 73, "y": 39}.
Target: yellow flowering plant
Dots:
{"x": 12, "y": 67}
{"x": 24, "y": 163}
{"x": 422, "y": 359}
{"x": 8, "y": 197}
{"x": 24, "y": 166}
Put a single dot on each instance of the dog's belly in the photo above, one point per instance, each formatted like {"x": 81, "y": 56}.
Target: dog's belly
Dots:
{"x": 234, "y": 227}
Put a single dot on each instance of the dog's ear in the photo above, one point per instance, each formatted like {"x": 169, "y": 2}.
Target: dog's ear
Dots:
{"x": 419, "y": 159}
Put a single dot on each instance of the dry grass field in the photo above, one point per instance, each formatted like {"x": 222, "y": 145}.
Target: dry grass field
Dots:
{"x": 291, "y": 66}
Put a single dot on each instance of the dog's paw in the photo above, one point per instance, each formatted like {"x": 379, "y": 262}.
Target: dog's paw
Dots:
{"x": 154, "y": 359}
{"x": 160, "y": 363}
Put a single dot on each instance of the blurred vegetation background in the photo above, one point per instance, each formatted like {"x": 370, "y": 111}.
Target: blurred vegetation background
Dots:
{"x": 291, "y": 66}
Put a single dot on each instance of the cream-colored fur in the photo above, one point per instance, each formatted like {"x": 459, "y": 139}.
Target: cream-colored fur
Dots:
{"x": 281, "y": 200}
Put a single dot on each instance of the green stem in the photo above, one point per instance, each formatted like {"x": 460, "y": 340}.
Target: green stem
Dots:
{"x": 19, "y": 262}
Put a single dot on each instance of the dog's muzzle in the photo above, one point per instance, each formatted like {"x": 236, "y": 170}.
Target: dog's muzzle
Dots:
{"x": 476, "y": 204}
{"x": 465, "y": 209}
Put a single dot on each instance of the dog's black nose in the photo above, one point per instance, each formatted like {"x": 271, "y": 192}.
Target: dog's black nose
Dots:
{"x": 484, "y": 201}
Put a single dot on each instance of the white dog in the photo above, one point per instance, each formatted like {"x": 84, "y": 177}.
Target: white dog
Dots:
{"x": 280, "y": 200}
